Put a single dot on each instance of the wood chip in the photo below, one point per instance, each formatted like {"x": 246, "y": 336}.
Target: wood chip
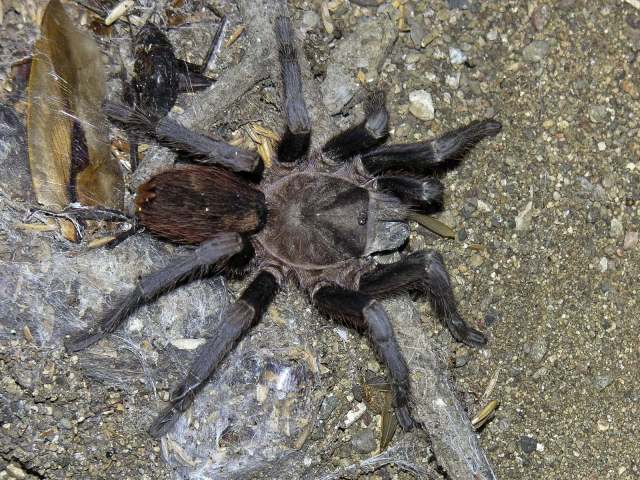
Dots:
{"x": 118, "y": 11}
{"x": 25, "y": 330}
{"x": 100, "y": 242}
{"x": 37, "y": 227}
{"x": 234, "y": 36}
{"x": 326, "y": 18}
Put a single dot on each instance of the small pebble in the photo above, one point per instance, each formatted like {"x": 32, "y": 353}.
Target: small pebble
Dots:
{"x": 524, "y": 217}
{"x": 528, "y": 444}
{"x": 598, "y": 114}
{"x": 66, "y": 423}
{"x": 15, "y": 471}
{"x": 458, "y": 4}
{"x": 483, "y": 206}
{"x": 602, "y": 381}
{"x": 491, "y": 317}
{"x": 461, "y": 357}
{"x": 538, "y": 350}
{"x": 536, "y": 51}
{"x": 421, "y": 105}
{"x": 456, "y": 56}
{"x": 354, "y": 414}
{"x": 310, "y": 20}
{"x": 453, "y": 81}
{"x": 616, "y": 230}
{"x": 630, "y": 240}
{"x": 364, "y": 441}
{"x": 476, "y": 260}
{"x": 603, "y": 264}
{"x": 603, "y": 425}
{"x": 540, "y": 17}
{"x": 329, "y": 404}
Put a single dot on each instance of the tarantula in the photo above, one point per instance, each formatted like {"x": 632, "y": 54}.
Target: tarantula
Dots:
{"x": 316, "y": 219}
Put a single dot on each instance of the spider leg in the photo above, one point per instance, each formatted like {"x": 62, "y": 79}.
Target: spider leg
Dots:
{"x": 369, "y": 133}
{"x": 237, "y": 320}
{"x": 421, "y": 193}
{"x": 423, "y": 157}
{"x": 201, "y": 148}
{"x": 366, "y": 315}
{"x": 295, "y": 141}
{"x": 152, "y": 285}
{"x": 426, "y": 272}
{"x": 129, "y": 98}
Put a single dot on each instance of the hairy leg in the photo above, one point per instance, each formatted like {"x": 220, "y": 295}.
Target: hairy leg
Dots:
{"x": 421, "y": 193}
{"x": 150, "y": 286}
{"x": 424, "y": 271}
{"x": 200, "y": 148}
{"x": 237, "y": 321}
{"x": 367, "y": 316}
{"x": 369, "y": 133}
{"x": 422, "y": 157}
{"x": 295, "y": 141}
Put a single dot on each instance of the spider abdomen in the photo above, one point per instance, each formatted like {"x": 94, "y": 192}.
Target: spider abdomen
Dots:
{"x": 190, "y": 204}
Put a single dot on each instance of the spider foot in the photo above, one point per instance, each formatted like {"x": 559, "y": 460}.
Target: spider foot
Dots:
{"x": 406, "y": 420}
{"x": 464, "y": 333}
{"x": 83, "y": 341}
{"x": 164, "y": 422}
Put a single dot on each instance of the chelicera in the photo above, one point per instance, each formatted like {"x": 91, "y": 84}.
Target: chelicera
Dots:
{"x": 315, "y": 221}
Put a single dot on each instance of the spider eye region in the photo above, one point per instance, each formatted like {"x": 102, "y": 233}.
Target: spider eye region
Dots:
{"x": 363, "y": 216}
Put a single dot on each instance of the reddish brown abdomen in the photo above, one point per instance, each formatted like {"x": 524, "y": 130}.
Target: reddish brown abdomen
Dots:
{"x": 191, "y": 203}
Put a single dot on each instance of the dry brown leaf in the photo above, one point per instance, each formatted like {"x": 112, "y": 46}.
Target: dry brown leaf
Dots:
{"x": 66, "y": 90}
{"x": 436, "y": 226}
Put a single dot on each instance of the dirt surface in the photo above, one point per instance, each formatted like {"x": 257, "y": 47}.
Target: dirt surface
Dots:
{"x": 546, "y": 256}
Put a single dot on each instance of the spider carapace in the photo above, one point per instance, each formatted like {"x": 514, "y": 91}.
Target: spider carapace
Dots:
{"x": 315, "y": 220}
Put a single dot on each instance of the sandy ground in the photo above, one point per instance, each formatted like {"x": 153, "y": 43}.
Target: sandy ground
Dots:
{"x": 546, "y": 256}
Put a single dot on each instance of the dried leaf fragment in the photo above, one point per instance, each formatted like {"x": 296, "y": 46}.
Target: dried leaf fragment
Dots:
{"x": 379, "y": 398}
{"x": 436, "y": 226}
{"x": 485, "y": 414}
{"x": 265, "y": 141}
{"x": 234, "y": 36}
{"x": 69, "y": 150}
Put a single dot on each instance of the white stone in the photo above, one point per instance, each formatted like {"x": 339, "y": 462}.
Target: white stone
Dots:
{"x": 421, "y": 105}
{"x": 523, "y": 219}
{"x": 453, "y": 80}
{"x": 456, "y": 56}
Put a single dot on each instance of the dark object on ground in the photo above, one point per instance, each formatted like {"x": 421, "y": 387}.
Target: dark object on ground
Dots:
{"x": 316, "y": 219}
{"x": 159, "y": 77}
